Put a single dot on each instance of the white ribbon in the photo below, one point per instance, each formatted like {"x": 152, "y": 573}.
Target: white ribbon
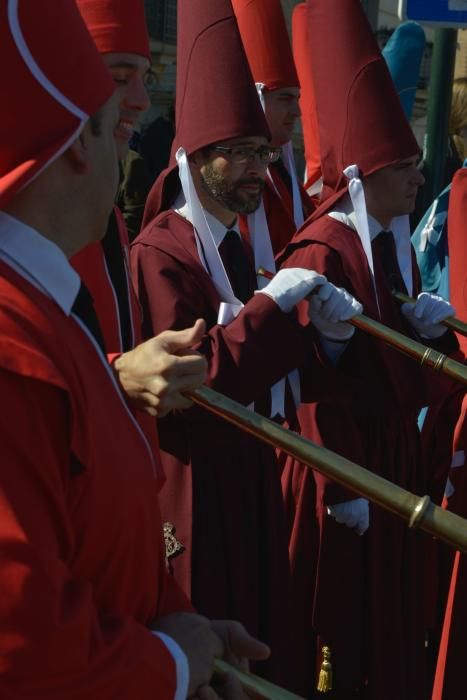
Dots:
{"x": 207, "y": 249}
{"x": 400, "y": 227}
{"x": 264, "y": 257}
{"x": 357, "y": 195}
{"x": 289, "y": 162}
{"x": 260, "y": 90}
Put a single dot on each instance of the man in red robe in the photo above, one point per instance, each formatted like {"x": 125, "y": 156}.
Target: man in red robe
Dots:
{"x": 149, "y": 373}
{"x": 267, "y": 45}
{"x": 364, "y": 588}
{"x": 223, "y": 489}
{"x": 88, "y": 609}
{"x": 449, "y": 677}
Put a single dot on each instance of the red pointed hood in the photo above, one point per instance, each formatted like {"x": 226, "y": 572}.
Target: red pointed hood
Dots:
{"x": 266, "y": 41}
{"x": 117, "y": 26}
{"x": 302, "y": 56}
{"x": 361, "y": 120}
{"x": 216, "y": 96}
{"x": 50, "y": 93}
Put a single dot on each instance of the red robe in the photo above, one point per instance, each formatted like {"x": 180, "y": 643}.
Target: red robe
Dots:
{"x": 450, "y": 673}
{"x": 104, "y": 268}
{"x": 82, "y": 560}
{"x": 362, "y": 591}
{"x": 223, "y": 489}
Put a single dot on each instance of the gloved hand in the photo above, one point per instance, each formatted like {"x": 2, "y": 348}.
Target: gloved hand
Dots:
{"x": 291, "y": 285}
{"x": 353, "y": 514}
{"x": 427, "y": 313}
{"x": 329, "y": 308}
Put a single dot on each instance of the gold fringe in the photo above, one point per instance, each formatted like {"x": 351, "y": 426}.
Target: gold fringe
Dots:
{"x": 325, "y": 674}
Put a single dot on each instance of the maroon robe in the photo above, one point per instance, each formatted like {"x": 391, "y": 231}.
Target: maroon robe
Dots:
{"x": 363, "y": 592}
{"x": 223, "y": 491}
{"x": 82, "y": 555}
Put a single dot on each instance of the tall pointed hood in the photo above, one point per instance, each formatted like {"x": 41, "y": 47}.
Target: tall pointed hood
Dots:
{"x": 49, "y": 94}
{"x": 302, "y": 56}
{"x": 117, "y": 26}
{"x": 403, "y": 53}
{"x": 361, "y": 120}
{"x": 216, "y": 97}
{"x": 266, "y": 41}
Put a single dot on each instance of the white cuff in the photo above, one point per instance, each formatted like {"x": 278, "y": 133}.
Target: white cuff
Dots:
{"x": 181, "y": 665}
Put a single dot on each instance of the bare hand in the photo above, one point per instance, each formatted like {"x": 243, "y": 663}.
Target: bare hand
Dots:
{"x": 200, "y": 643}
{"x": 239, "y": 646}
{"x": 156, "y": 373}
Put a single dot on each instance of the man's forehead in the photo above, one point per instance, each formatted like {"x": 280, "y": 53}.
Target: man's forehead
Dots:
{"x": 246, "y": 141}
{"x": 129, "y": 61}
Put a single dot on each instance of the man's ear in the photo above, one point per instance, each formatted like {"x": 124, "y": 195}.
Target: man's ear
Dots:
{"x": 78, "y": 152}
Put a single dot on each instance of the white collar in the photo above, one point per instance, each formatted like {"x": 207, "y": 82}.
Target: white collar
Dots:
{"x": 216, "y": 227}
{"x": 344, "y": 212}
{"x": 39, "y": 261}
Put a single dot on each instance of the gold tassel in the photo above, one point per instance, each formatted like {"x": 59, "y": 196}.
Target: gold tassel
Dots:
{"x": 325, "y": 674}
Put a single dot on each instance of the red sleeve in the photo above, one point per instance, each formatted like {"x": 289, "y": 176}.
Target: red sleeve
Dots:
{"x": 54, "y": 642}
{"x": 247, "y": 356}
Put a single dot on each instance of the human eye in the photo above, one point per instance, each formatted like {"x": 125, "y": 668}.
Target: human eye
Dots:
{"x": 242, "y": 152}
{"x": 120, "y": 76}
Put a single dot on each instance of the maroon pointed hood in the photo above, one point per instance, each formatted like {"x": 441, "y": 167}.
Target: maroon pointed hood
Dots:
{"x": 216, "y": 97}
{"x": 361, "y": 120}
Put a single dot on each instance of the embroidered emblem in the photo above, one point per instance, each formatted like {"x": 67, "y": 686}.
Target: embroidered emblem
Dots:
{"x": 173, "y": 547}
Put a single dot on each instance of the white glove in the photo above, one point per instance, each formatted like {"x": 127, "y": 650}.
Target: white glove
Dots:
{"x": 329, "y": 308}
{"x": 354, "y": 514}
{"x": 427, "y": 313}
{"x": 291, "y": 285}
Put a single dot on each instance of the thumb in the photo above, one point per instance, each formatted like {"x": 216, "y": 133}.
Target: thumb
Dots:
{"x": 239, "y": 642}
{"x": 174, "y": 341}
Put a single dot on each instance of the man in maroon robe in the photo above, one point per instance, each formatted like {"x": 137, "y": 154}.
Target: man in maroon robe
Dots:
{"x": 223, "y": 490}
{"x": 267, "y": 45}
{"x": 364, "y": 588}
{"x": 88, "y": 608}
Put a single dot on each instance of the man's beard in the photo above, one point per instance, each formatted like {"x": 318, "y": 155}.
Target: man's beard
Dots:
{"x": 227, "y": 194}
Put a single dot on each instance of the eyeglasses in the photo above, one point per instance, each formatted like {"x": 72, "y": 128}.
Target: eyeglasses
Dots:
{"x": 247, "y": 154}
{"x": 150, "y": 79}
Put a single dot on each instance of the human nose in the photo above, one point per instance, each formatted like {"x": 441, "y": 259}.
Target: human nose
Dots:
{"x": 137, "y": 97}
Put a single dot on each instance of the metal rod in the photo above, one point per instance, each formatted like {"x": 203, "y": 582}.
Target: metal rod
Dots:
{"x": 419, "y": 511}
{"x": 425, "y": 355}
{"x": 255, "y": 686}
{"x": 453, "y": 323}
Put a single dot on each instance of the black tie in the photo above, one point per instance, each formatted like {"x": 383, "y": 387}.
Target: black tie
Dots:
{"x": 386, "y": 249}
{"x": 83, "y": 307}
{"x": 236, "y": 262}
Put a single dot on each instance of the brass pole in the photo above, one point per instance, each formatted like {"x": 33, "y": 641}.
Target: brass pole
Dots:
{"x": 425, "y": 355}
{"x": 453, "y": 323}
{"x": 256, "y": 687}
{"x": 419, "y": 511}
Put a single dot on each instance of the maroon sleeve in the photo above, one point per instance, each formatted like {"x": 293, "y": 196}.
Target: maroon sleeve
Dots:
{"x": 247, "y": 356}
{"x": 55, "y": 643}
